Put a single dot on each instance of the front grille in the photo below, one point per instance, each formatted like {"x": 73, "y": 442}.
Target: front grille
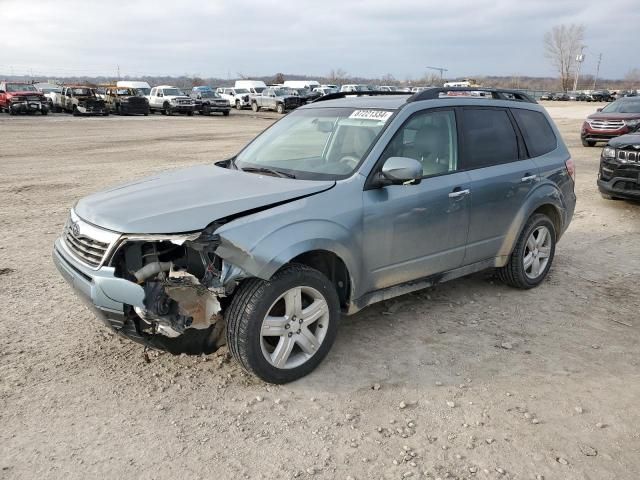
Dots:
{"x": 606, "y": 124}
{"x": 89, "y": 250}
{"x": 137, "y": 101}
{"x": 33, "y": 98}
{"x": 184, "y": 102}
{"x": 632, "y": 157}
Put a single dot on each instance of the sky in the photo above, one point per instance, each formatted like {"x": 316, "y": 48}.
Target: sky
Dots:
{"x": 369, "y": 38}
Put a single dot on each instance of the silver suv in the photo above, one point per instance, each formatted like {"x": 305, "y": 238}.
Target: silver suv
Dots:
{"x": 347, "y": 201}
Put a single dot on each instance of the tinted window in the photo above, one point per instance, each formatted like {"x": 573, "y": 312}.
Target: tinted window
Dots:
{"x": 489, "y": 138}
{"x": 429, "y": 137}
{"x": 536, "y": 131}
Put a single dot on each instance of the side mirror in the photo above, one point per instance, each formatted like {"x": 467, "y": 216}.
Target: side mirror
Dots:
{"x": 401, "y": 170}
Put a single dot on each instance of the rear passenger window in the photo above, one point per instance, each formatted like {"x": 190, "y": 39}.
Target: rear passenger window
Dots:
{"x": 537, "y": 133}
{"x": 489, "y": 138}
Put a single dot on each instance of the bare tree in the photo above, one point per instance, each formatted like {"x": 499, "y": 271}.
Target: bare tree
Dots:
{"x": 278, "y": 79}
{"x": 337, "y": 76}
{"x": 632, "y": 78}
{"x": 562, "y": 45}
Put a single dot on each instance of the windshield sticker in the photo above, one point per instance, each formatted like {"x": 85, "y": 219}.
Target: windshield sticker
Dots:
{"x": 378, "y": 115}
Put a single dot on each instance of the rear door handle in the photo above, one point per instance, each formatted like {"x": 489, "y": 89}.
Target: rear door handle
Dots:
{"x": 459, "y": 193}
{"x": 529, "y": 178}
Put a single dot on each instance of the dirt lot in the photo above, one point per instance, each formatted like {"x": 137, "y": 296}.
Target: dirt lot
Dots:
{"x": 467, "y": 380}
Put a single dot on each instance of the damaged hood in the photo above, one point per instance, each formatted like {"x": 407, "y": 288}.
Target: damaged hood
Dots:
{"x": 188, "y": 200}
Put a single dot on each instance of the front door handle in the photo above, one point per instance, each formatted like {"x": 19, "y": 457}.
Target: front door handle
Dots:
{"x": 529, "y": 178}
{"x": 459, "y": 193}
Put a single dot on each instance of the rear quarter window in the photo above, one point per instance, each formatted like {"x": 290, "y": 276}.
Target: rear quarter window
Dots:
{"x": 536, "y": 131}
{"x": 489, "y": 137}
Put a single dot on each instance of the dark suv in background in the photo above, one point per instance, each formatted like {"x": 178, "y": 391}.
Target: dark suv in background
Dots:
{"x": 344, "y": 202}
{"x": 619, "y": 175}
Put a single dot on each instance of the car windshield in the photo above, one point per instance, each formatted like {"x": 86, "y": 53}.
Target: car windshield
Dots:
{"x": 240, "y": 91}
{"x": 317, "y": 143}
{"x": 124, "y": 91}
{"x": 281, "y": 92}
{"x": 20, "y": 87}
{"x": 259, "y": 89}
{"x": 50, "y": 89}
{"x": 83, "y": 92}
{"x": 209, "y": 95}
{"x": 171, "y": 92}
{"x": 622, "y": 106}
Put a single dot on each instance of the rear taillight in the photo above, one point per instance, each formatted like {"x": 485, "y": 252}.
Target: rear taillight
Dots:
{"x": 571, "y": 168}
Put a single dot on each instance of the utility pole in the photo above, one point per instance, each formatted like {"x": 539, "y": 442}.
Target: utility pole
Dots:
{"x": 597, "y": 71}
{"x": 118, "y": 72}
{"x": 438, "y": 69}
{"x": 579, "y": 60}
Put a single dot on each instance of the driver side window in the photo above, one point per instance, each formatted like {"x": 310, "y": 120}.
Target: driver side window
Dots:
{"x": 430, "y": 138}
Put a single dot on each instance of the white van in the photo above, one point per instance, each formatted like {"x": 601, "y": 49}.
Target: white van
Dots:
{"x": 143, "y": 87}
{"x": 255, "y": 87}
{"x": 310, "y": 84}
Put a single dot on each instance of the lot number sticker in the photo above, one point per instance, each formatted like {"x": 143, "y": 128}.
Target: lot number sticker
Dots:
{"x": 377, "y": 115}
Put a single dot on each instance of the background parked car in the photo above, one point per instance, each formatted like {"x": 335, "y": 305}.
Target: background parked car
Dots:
{"x": 51, "y": 92}
{"x": 560, "y": 97}
{"x": 617, "y": 118}
{"x": 169, "y": 100}
{"x": 82, "y": 100}
{"x": 255, "y": 87}
{"x": 126, "y": 101}
{"x": 207, "y": 101}
{"x": 619, "y": 175}
{"x": 306, "y": 95}
{"x": 238, "y": 97}
{"x": 17, "y": 97}
{"x": 142, "y": 88}
{"x": 278, "y": 99}
{"x": 546, "y": 96}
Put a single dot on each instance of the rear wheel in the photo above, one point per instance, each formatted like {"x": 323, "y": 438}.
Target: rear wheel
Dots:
{"x": 588, "y": 143}
{"x": 281, "y": 329}
{"x": 533, "y": 254}
{"x": 254, "y": 106}
{"x": 225, "y": 113}
{"x": 238, "y": 106}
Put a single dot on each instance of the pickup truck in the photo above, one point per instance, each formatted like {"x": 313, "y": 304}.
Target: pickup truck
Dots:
{"x": 16, "y": 97}
{"x": 125, "y": 101}
{"x": 238, "y": 97}
{"x": 278, "y": 99}
{"x": 169, "y": 100}
{"x": 81, "y": 100}
{"x": 208, "y": 102}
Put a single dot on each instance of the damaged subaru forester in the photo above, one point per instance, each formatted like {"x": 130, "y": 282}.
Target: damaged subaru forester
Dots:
{"x": 347, "y": 201}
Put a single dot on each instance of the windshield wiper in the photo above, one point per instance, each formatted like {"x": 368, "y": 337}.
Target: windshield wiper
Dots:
{"x": 272, "y": 171}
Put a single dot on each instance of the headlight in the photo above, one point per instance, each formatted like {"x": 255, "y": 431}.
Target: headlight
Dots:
{"x": 632, "y": 123}
{"x": 174, "y": 100}
{"x": 609, "y": 152}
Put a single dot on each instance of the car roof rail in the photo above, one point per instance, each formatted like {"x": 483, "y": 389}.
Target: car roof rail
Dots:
{"x": 496, "y": 93}
{"x": 371, "y": 93}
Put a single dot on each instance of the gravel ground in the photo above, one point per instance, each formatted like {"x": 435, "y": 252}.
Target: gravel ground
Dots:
{"x": 470, "y": 379}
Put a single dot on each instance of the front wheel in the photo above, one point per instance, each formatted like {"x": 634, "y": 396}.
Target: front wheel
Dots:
{"x": 533, "y": 254}
{"x": 238, "y": 106}
{"x": 254, "y": 106}
{"x": 588, "y": 143}
{"x": 281, "y": 329}
{"x": 225, "y": 113}
{"x": 280, "y": 108}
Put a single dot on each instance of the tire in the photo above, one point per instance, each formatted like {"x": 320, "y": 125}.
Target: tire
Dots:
{"x": 515, "y": 273}
{"x": 225, "y": 113}
{"x": 44, "y": 111}
{"x": 588, "y": 143}
{"x": 280, "y": 108}
{"x": 238, "y": 106}
{"x": 254, "y": 106}
{"x": 606, "y": 196}
{"x": 167, "y": 109}
{"x": 255, "y": 298}
{"x": 75, "y": 111}
{"x": 190, "y": 113}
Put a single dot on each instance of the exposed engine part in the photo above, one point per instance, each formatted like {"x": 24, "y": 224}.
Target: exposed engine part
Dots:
{"x": 151, "y": 269}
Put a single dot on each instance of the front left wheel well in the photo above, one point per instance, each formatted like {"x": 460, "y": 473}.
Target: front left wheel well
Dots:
{"x": 332, "y": 267}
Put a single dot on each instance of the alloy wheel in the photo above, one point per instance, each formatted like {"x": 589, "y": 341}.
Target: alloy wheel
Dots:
{"x": 294, "y": 328}
{"x": 537, "y": 252}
